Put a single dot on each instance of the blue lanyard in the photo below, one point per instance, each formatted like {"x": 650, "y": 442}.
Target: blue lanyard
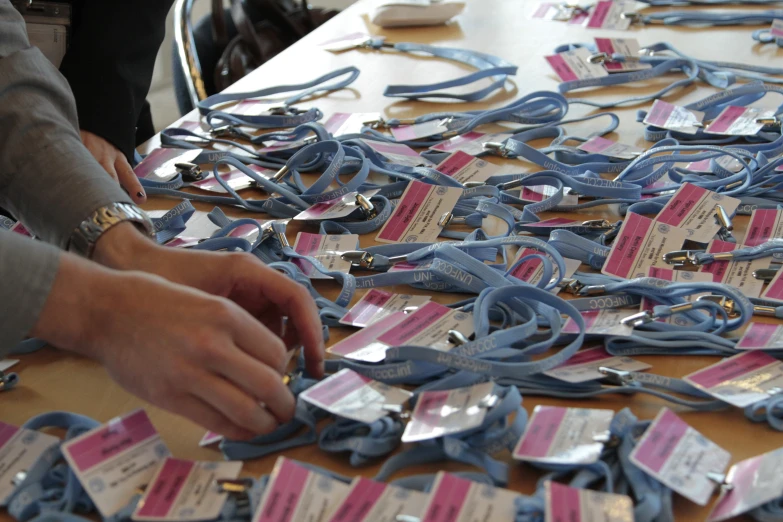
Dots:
{"x": 699, "y": 258}
{"x": 702, "y": 19}
{"x": 287, "y": 116}
{"x": 488, "y": 66}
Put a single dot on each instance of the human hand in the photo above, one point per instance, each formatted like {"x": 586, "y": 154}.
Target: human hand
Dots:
{"x": 115, "y": 164}
{"x": 194, "y": 354}
{"x": 264, "y": 293}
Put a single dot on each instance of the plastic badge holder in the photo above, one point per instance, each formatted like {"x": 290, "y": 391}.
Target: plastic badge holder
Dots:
{"x": 401, "y": 13}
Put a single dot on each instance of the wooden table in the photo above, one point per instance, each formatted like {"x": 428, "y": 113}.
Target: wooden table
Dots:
{"x": 59, "y": 381}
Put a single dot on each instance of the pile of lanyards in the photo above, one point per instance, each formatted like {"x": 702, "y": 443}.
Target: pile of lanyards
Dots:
{"x": 669, "y": 278}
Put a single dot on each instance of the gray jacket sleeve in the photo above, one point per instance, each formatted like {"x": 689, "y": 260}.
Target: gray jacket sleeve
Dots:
{"x": 48, "y": 180}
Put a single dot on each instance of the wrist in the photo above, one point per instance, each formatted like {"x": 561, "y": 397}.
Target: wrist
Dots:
{"x": 124, "y": 247}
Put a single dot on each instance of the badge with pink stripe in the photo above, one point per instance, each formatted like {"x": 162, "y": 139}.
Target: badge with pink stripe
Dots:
{"x": 774, "y": 290}
{"x": 673, "y": 117}
{"x": 466, "y": 168}
{"x": 777, "y": 28}
{"x": 114, "y": 460}
{"x": 185, "y": 490}
{"x": 447, "y": 412}
{"x": 557, "y": 435}
{"x": 19, "y": 450}
{"x": 741, "y": 380}
{"x": 427, "y": 326}
{"x": 607, "y": 14}
{"x": 417, "y": 216}
{"x": 471, "y": 142}
{"x": 398, "y": 153}
{"x": 599, "y": 145}
{"x": 335, "y": 208}
{"x": 641, "y": 244}
{"x": 764, "y": 225}
{"x": 354, "y": 396}
{"x": 296, "y": 494}
{"x": 628, "y": 47}
{"x": 159, "y": 165}
{"x": 608, "y": 321}
{"x": 583, "y": 366}
{"x": 752, "y": 483}
{"x": 454, "y": 499}
{"x": 370, "y": 501}
{"x": 739, "y": 121}
{"x": 693, "y": 208}
{"x": 567, "y": 504}
{"x": 574, "y": 65}
{"x": 235, "y": 178}
{"x": 379, "y": 304}
{"x": 761, "y": 336}
{"x": 419, "y": 130}
{"x": 680, "y": 457}
{"x": 327, "y": 249}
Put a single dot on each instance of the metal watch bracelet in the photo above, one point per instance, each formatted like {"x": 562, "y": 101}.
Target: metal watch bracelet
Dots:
{"x": 86, "y": 235}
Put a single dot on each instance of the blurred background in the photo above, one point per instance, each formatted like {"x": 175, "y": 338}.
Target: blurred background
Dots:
{"x": 161, "y": 96}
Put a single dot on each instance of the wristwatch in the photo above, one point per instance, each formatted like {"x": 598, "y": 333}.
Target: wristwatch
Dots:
{"x": 86, "y": 235}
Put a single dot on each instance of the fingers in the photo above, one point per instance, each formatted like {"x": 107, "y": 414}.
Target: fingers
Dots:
{"x": 258, "y": 381}
{"x": 256, "y": 340}
{"x": 109, "y": 168}
{"x": 128, "y": 180}
{"x": 296, "y": 303}
{"x": 238, "y": 407}
{"x": 203, "y": 414}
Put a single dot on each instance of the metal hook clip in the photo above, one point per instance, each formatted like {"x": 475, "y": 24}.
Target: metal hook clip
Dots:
{"x": 280, "y": 174}
{"x": 639, "y": 319}
{"x": 457, "y": 338}
{"x": 633, "y": 17}
{"x": 19, "y": 477}
{"x": 770, "y": 120}
{"x": 497, "y": 148}
{"x": 592, "y": 290}
{"x": 571, "y": 286}
{"x": 449, "y": 218}
{"x": 283, "y": 240}
{"x": 509, "y": 185}
{"x": 601, "y": 224}
{"x": 238, "y": 486}
{"x": 681, "y": 258}
{"x": 474, "y": 184}
{"x": 368, "y": 209}
{"x": 765, "y": 274}
{"x": 397, "y": 411}
{"x": 358, "y": 258}
{"x": 724, "y": 220}
{"x": 617, "y": 377}
{"x": 189, "y": 171}
{"x": 720, "y": 480}
{"x": 599, "y": 58}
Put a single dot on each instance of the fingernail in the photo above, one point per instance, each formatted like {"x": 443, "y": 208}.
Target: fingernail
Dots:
{"x": 140, "y": 194}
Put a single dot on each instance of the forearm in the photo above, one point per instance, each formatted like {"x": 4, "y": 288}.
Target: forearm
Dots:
{"x": 48, "y": 179}
{"x": 109, "y": 65}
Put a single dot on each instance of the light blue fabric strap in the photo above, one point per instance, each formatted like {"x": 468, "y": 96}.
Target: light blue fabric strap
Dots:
{"x": 488, "y": 66}
{"x": 700, "y": 18}
{"x": 217, "y": 118}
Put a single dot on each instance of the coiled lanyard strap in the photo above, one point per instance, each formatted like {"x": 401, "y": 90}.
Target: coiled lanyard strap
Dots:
{"x": 286, "y": 119}
{"x": 488, "y": 67}
{"x": 698, "y": 18}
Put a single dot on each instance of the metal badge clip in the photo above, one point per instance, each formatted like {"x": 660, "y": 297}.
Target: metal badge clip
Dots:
{"x": 599, "y": 58}
{"x": 238, "y": 486}
{"x": 280, "y": 174}
{"x": 449, "y": 218}
{"x": 765, "y": 274}
{"x": 283, "y": 240}
{"x": 592, "y": 290}
{"x": 616, "y": 377}
{"x": 599, "y": 224}
{"x": 511, "y": 184}
{"x": 457, "y": 338}
{"x": 636, "y": 320}
{"x": 682, "y": 258}
{"x": 358, "y": 258}
{"x": 368, "y": 209}
{"x": 720, "y": 480}
{"x": 397, "y": 411}
{"x": 494, "y": 147}
{"x": 229, "y": 131}
{"x": 474, "y": 184}
{"x": 724, "y": 220}
{"x": 19, "y": 478}
{"x": 771, "y": 120}
{"x": 189, "y": 171}
{"x": 633, "y": 17}
{"x": 570, "y": 285}
{"x": 724, "y": 302}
